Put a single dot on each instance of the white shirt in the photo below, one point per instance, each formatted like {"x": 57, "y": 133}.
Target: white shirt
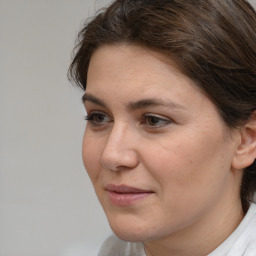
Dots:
{"x": 242, "y": 242}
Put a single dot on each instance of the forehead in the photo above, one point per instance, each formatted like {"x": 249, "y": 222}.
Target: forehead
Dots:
{"x": 130, "y": 53}
{"x": 130, "y": 66}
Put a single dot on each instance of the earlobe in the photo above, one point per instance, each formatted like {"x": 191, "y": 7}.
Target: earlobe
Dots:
{"x": 246, "y": 150}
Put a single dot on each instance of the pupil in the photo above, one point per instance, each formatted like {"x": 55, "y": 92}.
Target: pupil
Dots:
{"x": 153, "y": 120}
{"x": 99, "y": 118}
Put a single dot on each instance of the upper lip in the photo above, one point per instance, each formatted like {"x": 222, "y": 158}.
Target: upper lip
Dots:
{"x": 125, "y": 189}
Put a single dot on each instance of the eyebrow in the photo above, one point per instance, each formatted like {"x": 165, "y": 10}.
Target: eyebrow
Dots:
{"x": 143, "y": 103}
{"x": 93, "y": 99}
{"x": 153, "y": 102}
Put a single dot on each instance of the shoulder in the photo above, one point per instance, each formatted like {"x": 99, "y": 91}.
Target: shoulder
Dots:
{"x": 114, "y": 246}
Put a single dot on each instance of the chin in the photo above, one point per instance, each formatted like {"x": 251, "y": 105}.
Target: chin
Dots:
{"x": 130, "y": 236}
{"x": 131, "y": 230}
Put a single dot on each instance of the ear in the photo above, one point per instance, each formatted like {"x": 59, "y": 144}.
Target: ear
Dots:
{"x": 246, "y": 150}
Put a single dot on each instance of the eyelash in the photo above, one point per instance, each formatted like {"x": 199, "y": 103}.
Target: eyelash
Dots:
{"x": 91, "y": 118}
{"x": 146, "y": 119}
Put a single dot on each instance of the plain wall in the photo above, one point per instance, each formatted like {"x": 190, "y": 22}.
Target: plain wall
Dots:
{"x": 253, "y": 3}
{"x": 48, "y": 206}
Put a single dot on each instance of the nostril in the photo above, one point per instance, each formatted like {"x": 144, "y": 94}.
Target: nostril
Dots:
{"x": 119, "y": 160}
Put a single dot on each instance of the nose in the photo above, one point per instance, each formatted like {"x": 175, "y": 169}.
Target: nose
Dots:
{"x": 120, "y": 151}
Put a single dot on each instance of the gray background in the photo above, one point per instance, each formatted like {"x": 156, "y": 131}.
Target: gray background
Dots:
{"x": 48, "y": 206}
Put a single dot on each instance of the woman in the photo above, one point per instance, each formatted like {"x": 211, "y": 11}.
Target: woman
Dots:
{"x": 170, "y": 144}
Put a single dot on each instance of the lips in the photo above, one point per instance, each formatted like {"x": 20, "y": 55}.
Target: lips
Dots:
{"x": 123, "y": 195}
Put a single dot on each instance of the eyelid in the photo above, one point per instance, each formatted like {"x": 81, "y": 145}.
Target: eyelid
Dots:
{"x": 164, "y": 121}
{"x": 157, "y": 116}
{"x": 92, "y": 114}
{"x": 89, "y": 113}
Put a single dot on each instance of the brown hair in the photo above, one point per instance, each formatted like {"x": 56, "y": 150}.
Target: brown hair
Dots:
{"x": 212, "y": 41}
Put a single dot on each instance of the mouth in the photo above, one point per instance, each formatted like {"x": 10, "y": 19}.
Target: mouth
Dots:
{"x": 123, "y": 195}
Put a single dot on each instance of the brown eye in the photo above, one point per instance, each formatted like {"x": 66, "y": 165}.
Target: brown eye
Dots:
{"x": 154, "y": 121}
{"x": 96, "y": 118}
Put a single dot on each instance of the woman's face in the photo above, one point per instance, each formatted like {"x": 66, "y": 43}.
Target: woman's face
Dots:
{"x": 155, "y": 147}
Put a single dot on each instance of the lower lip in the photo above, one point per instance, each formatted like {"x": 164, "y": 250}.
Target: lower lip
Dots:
{"x": 126, "y": 199}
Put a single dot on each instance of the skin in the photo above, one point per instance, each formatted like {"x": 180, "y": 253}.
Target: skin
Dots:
{"x": 178, "y": 148}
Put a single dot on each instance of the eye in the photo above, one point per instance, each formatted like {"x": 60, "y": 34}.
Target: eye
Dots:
{"x": 155, "y": 121}
{"x": 98, "y": 118}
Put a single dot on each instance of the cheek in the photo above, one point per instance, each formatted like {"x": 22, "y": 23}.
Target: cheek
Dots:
{"x": 91, "y": 157}
{"x": 184, "y": 165}
{"x": 189, "y": 178}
